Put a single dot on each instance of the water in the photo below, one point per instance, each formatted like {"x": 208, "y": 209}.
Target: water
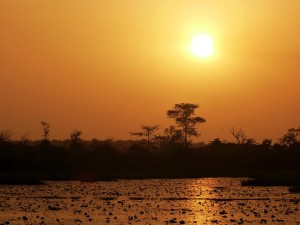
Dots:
{"x": 157, "y": 201}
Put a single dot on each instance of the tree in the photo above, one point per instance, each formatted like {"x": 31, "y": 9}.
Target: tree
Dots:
{"x": 174, "y": 135}
{"x": 171, "y": 137}
{"x": 267, "y": 143}
{"x": 147, "y": 131}
{"x": 75, "y": 137}
{"x": 250, "y": 141}
{"x": 216, "y": 142}
{"x": 24, "y": 139}
{"x": 291, "y": 137}
{"x": 183, "y": 114}
{"x": 46, "y": 130}
{"x": 5, "y": 136}
{"x": 239, "y": 135}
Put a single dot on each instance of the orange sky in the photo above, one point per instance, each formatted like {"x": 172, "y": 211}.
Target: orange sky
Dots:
{"x": 105, "y": 67}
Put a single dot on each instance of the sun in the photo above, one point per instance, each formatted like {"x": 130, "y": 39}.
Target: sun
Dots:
{"x": 202, "y": 46}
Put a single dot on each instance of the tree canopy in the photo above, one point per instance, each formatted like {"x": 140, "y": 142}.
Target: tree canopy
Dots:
{"x": 184, "y": 115}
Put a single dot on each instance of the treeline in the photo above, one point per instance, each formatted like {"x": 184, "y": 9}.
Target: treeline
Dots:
{"x": 98, "y": 159}
{"x": 167, "y": 154}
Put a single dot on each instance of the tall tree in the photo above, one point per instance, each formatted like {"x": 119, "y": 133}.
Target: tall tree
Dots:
{"x": 46, "y": 130}
{"x": 184, "y": 115}
{"x": 147, "y": 131}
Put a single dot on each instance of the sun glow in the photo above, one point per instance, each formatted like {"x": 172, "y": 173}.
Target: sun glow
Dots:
{"x": 202, "y": 46}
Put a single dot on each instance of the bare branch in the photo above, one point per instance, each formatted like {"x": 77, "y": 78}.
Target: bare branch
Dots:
{"x": 239, "y": 135}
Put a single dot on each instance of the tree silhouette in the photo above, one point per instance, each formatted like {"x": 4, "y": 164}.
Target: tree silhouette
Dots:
{"x": 216, "y": 142}
{"x": 239, "y": 135}
{"x": 183, "y": 114}
{"x": 24, "y": 139}
{"x": 147, "y": 131}
{"x": 75, "y": 137}
{"x": 267, "y": 143}
{"x": 174, "y": 135}
{"x": 5, "y": 136}
{"x": 46, "y": 130}
{"x": 171, "y": 137}
{"x": 291, "y": 137}
{"x": 250, "y": 141}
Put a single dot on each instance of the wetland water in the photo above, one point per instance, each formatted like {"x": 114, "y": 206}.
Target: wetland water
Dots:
{"x": 157, "y": 201}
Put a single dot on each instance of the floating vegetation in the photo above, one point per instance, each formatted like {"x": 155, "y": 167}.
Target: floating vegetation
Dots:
{"x": 156, "y": 202}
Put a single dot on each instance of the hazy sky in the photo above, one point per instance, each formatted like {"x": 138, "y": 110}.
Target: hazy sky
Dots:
{"x": 105, "y": 67}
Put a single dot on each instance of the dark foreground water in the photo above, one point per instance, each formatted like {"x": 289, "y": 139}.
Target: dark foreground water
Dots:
{"x": 158, "y": 201}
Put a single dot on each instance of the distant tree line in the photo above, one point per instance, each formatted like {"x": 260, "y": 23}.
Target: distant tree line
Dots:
{"x": 169, "y": 154}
